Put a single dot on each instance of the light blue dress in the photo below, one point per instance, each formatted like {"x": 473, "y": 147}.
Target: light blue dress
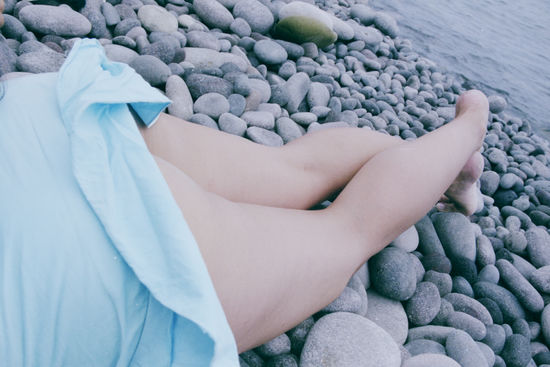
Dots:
{"x": 98, "y": 267}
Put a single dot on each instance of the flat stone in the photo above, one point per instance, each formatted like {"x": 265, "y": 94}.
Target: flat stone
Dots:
{"x": 269, "y": 52}
{"x": 200, "y": 84}
{"x": 153, "y": 70}
{"x": 388, "y": 314}
{"x": 232, "y": 124}
{"x": 261, "y": 119}
{"x": 462, "y": 348}
{"x": 508, "y": 303}
{"x": 350, "y": 339}
{"x": 205, "y": 58}
{"x": 304, "y": 118}
{"x": 424, "y": 305}
{"x": 408, "y": 240}
{"x": 520, "y": 286}
{"x": 40, "y": 62}
{"x": 264, "y": 137}
{"x": 182, "y": 103}
{"x": 213, "y": 14}
{"x": 200, "y": 39}
{"x": 58, "y": 20}
{"x": 157, "y": 19}
{"x": 211, "y": 104}
{"x": 393, "y": 274}
{"x": 428, "y": 360}
{"x": 456, "y": 234}
{"x": 256, "y": 14}
{"x": 470, "y": 306}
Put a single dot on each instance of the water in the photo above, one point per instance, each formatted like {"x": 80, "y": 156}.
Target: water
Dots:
{"x": 499, "y": 46}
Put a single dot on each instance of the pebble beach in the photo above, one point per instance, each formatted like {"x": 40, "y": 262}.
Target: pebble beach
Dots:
{"x": 451, "y": 290}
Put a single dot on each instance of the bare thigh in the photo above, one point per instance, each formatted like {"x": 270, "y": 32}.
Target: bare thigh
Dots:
{"x": 271, "y": 267}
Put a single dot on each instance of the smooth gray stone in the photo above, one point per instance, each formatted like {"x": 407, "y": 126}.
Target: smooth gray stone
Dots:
{"x": 157, "y": 19}
{"x": 120, "y": 53}
{"x": 276, "y": 346}
{"x": 456, "y": 234}
{"x": 462, "y": 348}
{"x": 356, "y": 283}
{"x": 537, "y": 246}
{"x": 211, "y": 104}
{"x": 124, "y": 41}
{"x": 256, "y": 14}
{"x": 470, "y": 306}
{"x": 304, "y": 118}
{"x": 364, "y": 13}
{"x": 493, "y": 308}
{"x": 213, "y": 14}
{"x": 262, "y": 87}
{"x": 251, "y": 358}
{"x": 287, "y": 69}
{"x": 540, "y": 279}
{"x": 261, "y": 119}
{"x": 408, "y": 240}
{"x": 429, "y": 360}
{"x": 461, "y": 285}
{"x": 422, "y": 346}
{"x": 200, "y": 84}
{"x": 507, "y": 211}
{"x": 515, "y": 241}
{"x": 508, "y": 303}
{"x": 232, "y": 124}
{"x": 240, "y": 27}
{"x": 153, "y": 70}
{"x": 202, "y": 40}
{"x": 489, "y": 182}
{"x": 204, "y": 120}
{"x": 33, "y": 46}
{"x": 545, "y": 323}
{"x": 204, "y": 58}
{"x": 523, "y": 266}
{"x": 424, "y": 305}
{"x": 8, "y": 58}
{"x": 517, "y": 351}
{"x": 497, "y": 104}
{"x": 263, "y": 136}
{"x": 182, "y": 103}
{"x": 499, "y": 362}
{"x": 418, "y": 267}
{"x": 320, "y": 111}
{"x": 393, "y": 274}
{"x": 162, "y": 50}
{"x": 318, "y": 95}
{"x": 348, "y": 301}
{"x": 297, "y": 87}
{"x": 40, "y": 62}
{"x": 386, "y": 23}
{"x": 431, "y": 332}
{"x": 485, "y": 253}
{"x": 495, "y": 338}
{"x": 463, "y": 321}
{"x": 487, "y": 353}
{"x": 293, "y": 50}
{"x": 125, "y": 25}
{"x": 442, "y": 281}
{"x": 388, "y": 314}
{"x": 13, "y": 28}
{"x": 125, "y": 11}
{"x": 110, "y": 13}
{"x": 299, "y": 333}
{"x": 237, "y": 104}
{"x": 428, "y": 240}
{"x": 269, "y": 52}
{"x": 537, "y": 347}
{"x": 436, "y": 261}
{"x": 96, "y": 18}
{"x": 520, "y": 286}
{"x": 521, "y": 326}
{"x": 350, "y": 339}
{"x": 342, "y": 29}
{"x": 59, "y": 20}
{"x": 489, "y": 273}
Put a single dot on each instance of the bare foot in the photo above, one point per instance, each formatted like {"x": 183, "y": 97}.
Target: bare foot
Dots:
{"x": 464, "y": 195}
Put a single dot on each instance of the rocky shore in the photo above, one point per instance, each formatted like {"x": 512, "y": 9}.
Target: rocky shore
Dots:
{"x": 450, "y": 291}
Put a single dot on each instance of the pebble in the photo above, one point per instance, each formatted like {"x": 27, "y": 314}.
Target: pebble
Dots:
{"x": 490, "y": 274}
{"x": 58, "y": 20}
{"x": 422, "y": 346}
{"x": 509, "y": 305}
{"x": 537, "y": 246}
{"x": 40, "y": 62}
{"x": 520, "y": 286}
{"x": 269, "y": 52}
{"x": 470, "y": 306}
{"x": 442, "y": 281}
{"x": 283, "y": 360}
{"x": 232, "y": 124}
{"x": 13, "y": 28}
{"x": 431, "y": 332}
{"x": 540, "y": 279}
{"x": 516, "y": 351}
{"x": 545, "y": 323}
{"x": 489, "y": 182}
{"x": 8, "y": 58}
{"x": 297, "y": 86}
{"x": 487, "y": 353}
{"x": 157, "y": 19}
{"x": 388, "y": 314}
{"x": 276, "y": 346}
{"x": 408, "y": 240}
{"x": 461, "y": 285}
{"x": 428, "y": 241}
{"x": 456, "y": 234}
{"x": 497, "y": 104}
{"x": 204, "y": 120}
{"x": 429, "y": 359}
{"x": 485, "y": 253}
{"x": 213, "y": 14}
{"x": 348, "y": 301}
{"x": 200, "y": 39}
{"x": 211, "y": 104}
{"x": 261, "y": 119}
{"x": 386, "y": 24}
{"x": 153, "y": 70}
{"x": 182, "y": 103}
{"x": 256, "y": 14}
{"x": 200, "y": 84}
{"x": 463, "y": 321}
{"x": 393, "y": 274}
{"x": 263, "y": 136}
{"x": 424, "y": 305}
{"x": 436, "y": 262}
{"x": 287, "y": 129}
{"x": 462, "y": 348}
{"x": 351, "y": 340}
{"x": 495, "y": 338}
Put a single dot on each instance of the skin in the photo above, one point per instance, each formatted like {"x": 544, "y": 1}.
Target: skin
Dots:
{"x": 274, "y": 263}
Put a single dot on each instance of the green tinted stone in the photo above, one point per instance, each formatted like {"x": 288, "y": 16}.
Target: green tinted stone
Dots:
{"x": 300, "y": 29}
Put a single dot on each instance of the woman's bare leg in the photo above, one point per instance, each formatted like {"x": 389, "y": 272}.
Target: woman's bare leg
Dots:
{"x": 273, "y": 267}
{"x": 297, "y": 175}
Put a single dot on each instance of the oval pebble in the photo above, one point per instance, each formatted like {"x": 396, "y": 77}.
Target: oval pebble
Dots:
{"x": 540, "y": 279}
{"x": 348, "y": 301}
{"x": 495, "y": 338}
{"x": 256, "y": 14}
{"x": 442, "y": 281}
{"x": 422, "y": 346}
{"x": 520, "y": 287}
{"x": 214, "y": 14}
{"x": 157, "y": 19}
{"x": 462, "y": 348}
{"x": 463, "y": 321}
{"x": 424, "y": 304}
{"x": 182, "y": 103}
{"x": 393, "y": 274}
{"x": 276, "y": 346}
{"x": 408, "y": 240}
{"x": 429, "y": 360}
{"x": 264, "y": 137}
{"x": 211, "y": 104}
{"x": 508, "y": 303}
{"x": 232, "y": 124}
{"x": 431, "y": 332}
{"x": 350, "y": 339}
{"x": 58, "y": 20}
{"x": 456, "y": 234}
{"x": 517, "y": 351}
{"x": 470, "y": 306}
{"x": 270, "y": 52}
{"x": 388, "y": 314}
{"x": 537, "y": 246}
